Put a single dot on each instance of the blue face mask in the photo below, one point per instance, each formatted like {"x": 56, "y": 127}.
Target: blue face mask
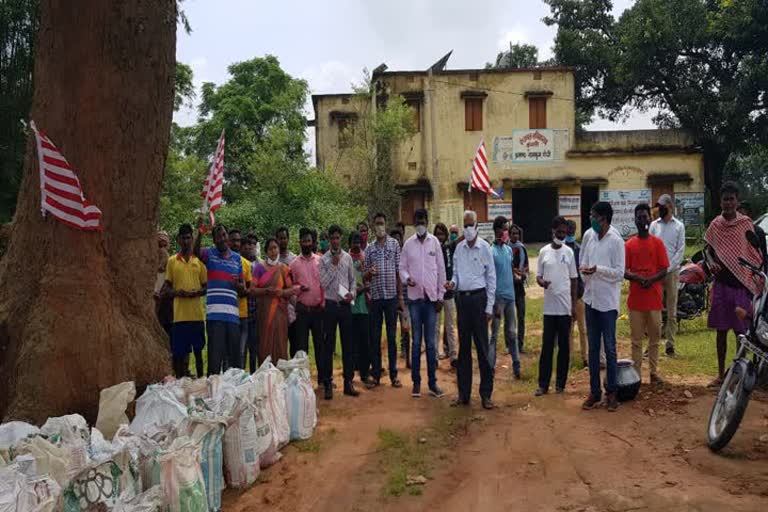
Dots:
{"x": 595, "y": 224}
{"x": 569, "y": 239}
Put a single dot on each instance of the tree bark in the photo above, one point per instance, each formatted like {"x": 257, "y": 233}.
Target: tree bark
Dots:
{"x": 715, "y": 158}
{"x": 76, "y": 308}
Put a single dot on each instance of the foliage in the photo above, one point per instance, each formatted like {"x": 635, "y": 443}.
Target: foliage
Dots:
{"x": 19, "y": 20}
{"x": 703, "y": 64}
{"x": 184, "y": 89}
{"x": 261, "y": 110}
{"x": 750, "y": 170}
{"x": 375, "y": 137}
{"x": 518, "y": 56}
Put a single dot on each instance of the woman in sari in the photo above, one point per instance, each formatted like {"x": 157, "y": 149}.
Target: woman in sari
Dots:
{"x": 272, "y": 288}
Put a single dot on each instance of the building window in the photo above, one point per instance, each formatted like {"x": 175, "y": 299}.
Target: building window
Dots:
{"x": 346, "y": 131}
{"x": 412, "y": 166}
{"x": 410, "y": 201}
{"x": 415, "y": 105}
{"x": 537, "y": 112}
{"x": 473, "y": 114}
{"x": 477, "y": 201}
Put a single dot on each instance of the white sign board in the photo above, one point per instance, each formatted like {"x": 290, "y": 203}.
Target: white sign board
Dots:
{"x": 525, "y": 146}
{"x": 496, "y": 208}
{"x": 689, "y": 207}
{"x": 485, "y": 231}
{"x": 623, "y": 203}
{"x": 569, "y": 206}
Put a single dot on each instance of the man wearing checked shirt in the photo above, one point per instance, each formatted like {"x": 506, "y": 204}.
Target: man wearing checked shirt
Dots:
{"x": 474, "y": 279}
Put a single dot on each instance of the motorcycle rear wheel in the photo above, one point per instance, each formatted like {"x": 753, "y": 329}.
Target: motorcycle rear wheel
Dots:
{"x": 730, "y": 405}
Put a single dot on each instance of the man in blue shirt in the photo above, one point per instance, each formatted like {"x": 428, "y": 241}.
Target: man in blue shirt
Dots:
{"x": 505, "y": 297}
{"x": 474, "y": 279}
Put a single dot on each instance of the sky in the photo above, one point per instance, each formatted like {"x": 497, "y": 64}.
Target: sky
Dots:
{"x": 329, "y": 42}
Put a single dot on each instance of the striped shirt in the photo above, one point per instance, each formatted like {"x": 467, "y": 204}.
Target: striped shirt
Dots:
{"x": 387, "y": 261}
{"x": 223, "y": 273}
{"x": 332, "y": 277}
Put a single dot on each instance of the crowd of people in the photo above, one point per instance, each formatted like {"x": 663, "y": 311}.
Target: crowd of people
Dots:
{"x": 431, "y": 283}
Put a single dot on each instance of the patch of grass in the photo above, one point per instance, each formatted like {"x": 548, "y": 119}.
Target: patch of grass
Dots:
{"x": 694, "y": 345}
{"x": 308, "y": 446}
{"x": 415, "y": 453}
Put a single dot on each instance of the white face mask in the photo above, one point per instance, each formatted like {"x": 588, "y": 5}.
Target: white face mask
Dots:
{"x": 470, "y": 233}
{"x": 272, "y": 262}
{"x": 421, "y": 230}
{"x": 557, "y": 241}
{"x": 381, "y": 231}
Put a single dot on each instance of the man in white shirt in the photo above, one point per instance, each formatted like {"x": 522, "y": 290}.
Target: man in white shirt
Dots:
{"x": 474, "y": 279}
{"x": 602, "y": 268}
{"x": 672, "y": 233}
{"x": 556, "y": 273}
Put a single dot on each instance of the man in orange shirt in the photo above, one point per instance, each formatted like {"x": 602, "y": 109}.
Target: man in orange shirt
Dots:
{"x": 646, "y": 264}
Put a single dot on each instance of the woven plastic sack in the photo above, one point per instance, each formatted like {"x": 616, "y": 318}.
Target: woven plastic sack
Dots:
{"x": 182, "y": 477}
{"x": 300, "y": 361}
{"x": 207, "y": 434}
{"x": 302, "y": 407}
{"x": 270, "y": 385}
{"x": 112, "y": 404}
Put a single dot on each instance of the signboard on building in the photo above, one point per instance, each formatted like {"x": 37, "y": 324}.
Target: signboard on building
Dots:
{"x": 529, "y": 146}
{"x": 689, "y": 207}
{"x": 496, "y": 208}
{"x": 569, "y": 206}
{"x": 623, "y": 203}
{"x": 485, "y": 231}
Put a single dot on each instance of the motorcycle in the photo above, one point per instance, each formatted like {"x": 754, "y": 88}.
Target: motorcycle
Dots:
{"x": 751, "y": 361}
{"x": 692, "y": 290}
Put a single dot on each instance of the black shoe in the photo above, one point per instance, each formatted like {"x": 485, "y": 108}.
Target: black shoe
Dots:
{"x": 516, "y": 374}
{"x": 459, "y": 402}
{"x": 455, "y": 364}
{"x": 328, "y": 395}
{"x": 396, "y": 383}
{"x": 541, "y": 391}
{"x": 559, "y": 391}
{"x": 671, "y": 352}
{"x": 522, "y": 350}
{"x": 436, "y": 392}
{"x": 349, "y": 389}
{"x": 416, "y": 392}
{"x": 487, "y": 404}
{"x": 370, "y": 383}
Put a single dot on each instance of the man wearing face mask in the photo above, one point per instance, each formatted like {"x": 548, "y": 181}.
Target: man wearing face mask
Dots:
{"x": 602, "y": 267}
{"x": 646, "y": 265}
{"x": 448, "y": 243}
{"x": 520, "y": 270}
{"x": 305, "y": 270}
{"x": 672, "y": 232}
{"x": 474, "y": 279}
{"x": 423, "y": 271}
{"x": 504, "y": 306}
{"x": 381, "y": 263}
{"x": 556, "y": 273}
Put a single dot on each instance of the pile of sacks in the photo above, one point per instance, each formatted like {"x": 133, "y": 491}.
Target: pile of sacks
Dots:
{"x": 188, "y": 440}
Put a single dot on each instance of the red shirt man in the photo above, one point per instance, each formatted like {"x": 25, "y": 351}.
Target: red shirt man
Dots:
{"x": 646, "y": 264}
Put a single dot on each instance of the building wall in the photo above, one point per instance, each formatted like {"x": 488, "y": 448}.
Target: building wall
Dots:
{"x": 610, "y": 160}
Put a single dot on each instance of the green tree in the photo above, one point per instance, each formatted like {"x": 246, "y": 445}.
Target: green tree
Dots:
{"x": 184, "y": 90}
{"x": 261, "y": 108}
{"x": 750, "y": 170}
{"x": 518, "y": 56}
{"x": 375, "y": 138}
{"x": 19, "y": 20}
{"x": 703, "y": 64}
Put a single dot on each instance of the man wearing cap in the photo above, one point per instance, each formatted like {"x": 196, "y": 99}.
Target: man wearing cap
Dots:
{"x": 672, "y": 233}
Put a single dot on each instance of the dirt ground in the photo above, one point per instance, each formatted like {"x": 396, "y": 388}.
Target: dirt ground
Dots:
{"x": 527, "y": 454}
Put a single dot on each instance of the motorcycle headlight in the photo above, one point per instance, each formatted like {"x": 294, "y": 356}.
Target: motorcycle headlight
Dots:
{"x": 762, "y": 330}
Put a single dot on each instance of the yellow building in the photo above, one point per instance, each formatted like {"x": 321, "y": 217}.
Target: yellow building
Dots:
{"x": 538, "y": 162}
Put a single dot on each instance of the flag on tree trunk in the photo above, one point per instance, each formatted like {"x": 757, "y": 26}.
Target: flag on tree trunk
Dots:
{"x": 214, "y": 182}
{"x": 60, "y": 192}
{"x": 479, "y": 178}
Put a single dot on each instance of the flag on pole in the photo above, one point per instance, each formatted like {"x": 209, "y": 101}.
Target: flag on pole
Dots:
{"x": 480, "y": 179}
{"x": 214, "y": 182}
{"x": 60, "y": 192}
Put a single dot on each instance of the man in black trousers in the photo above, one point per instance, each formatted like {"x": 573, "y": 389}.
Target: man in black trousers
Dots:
{"x": 474, "y": 280}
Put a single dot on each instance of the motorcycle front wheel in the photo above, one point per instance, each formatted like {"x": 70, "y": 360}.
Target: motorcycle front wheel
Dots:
{"x": 730, "y": 405}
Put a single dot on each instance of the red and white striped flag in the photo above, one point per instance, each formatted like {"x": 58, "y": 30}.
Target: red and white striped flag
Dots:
{"x": 480, "y": 179}
{"x": 60, "y": 191}
{"x": 214, "y": 182}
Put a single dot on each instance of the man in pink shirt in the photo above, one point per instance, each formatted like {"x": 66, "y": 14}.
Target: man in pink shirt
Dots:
{"x": 309, "y": 299}
{"x": 422, "y": 269}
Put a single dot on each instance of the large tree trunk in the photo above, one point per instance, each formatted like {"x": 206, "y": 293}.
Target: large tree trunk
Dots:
{"x": 715, "y": 158}
{"x": 76, "y": 309}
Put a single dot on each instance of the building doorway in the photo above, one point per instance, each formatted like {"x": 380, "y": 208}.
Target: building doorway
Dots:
{"x": 589, "y": 196}
{"x": 533, "y": 210}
